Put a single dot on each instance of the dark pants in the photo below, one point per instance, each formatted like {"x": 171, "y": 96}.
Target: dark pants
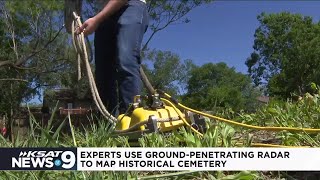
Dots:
{"x": 117, "y": 56}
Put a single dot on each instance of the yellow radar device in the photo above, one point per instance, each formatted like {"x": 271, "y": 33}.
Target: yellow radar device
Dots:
{"x": 151, "y": 114}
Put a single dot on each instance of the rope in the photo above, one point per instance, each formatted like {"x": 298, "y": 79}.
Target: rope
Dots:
{"x": 266, "y": 128}
{"x": 80, "y": 48}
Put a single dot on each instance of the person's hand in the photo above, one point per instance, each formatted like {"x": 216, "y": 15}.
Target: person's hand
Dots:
{"x": 88, "y": 27}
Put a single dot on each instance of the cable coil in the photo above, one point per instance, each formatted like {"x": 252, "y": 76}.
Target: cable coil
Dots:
{"x": 81, "y": 50}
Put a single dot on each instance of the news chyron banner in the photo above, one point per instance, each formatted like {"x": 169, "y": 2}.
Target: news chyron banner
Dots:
{"x": 161, "y": 159}
{"x": 38, "y": 159}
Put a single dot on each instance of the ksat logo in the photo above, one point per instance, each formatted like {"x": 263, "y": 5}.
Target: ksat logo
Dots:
{"x": 44, "y": 159}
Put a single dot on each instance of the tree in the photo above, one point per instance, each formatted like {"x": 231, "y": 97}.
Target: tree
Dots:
{"x": 286, "y": 54}
{"x": 167, "y": 72}
{"x": 33, "y": 50}
{"x": 214, "y": 86}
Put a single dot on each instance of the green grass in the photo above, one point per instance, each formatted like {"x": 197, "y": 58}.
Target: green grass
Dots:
{"x": 304, "y": 113}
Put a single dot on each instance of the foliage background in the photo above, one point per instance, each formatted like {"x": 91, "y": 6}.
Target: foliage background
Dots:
{"x": 36, "y": 54}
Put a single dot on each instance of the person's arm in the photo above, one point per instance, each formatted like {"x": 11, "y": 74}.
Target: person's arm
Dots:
{"x": 90, "y": 25}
